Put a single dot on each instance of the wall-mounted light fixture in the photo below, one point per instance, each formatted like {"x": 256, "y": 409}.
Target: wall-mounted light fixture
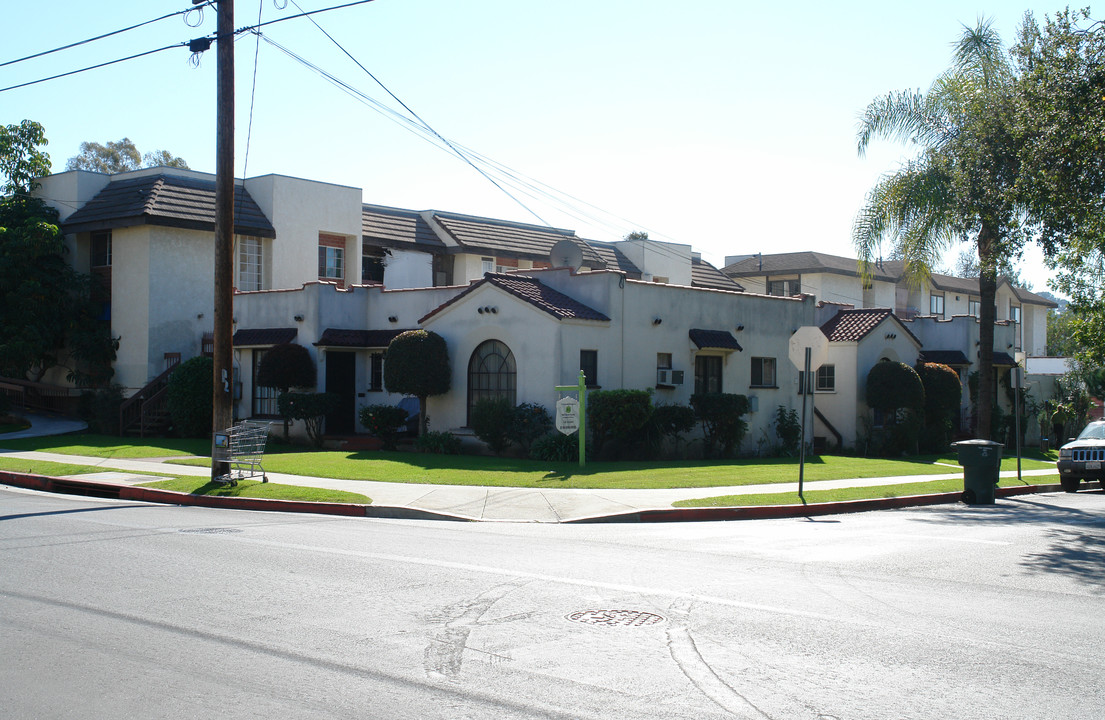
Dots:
{"x": 657, "y": 321}
{"x": 1009, "y": 346}
{"x": 740, "y": 328}
{"x": 199, "y": 317}
{"x": 298, "y": 318}
{"x": 392, "y": 318}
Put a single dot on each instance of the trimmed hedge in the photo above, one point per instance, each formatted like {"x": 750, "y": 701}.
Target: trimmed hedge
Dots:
{"x": 190, "y": 397}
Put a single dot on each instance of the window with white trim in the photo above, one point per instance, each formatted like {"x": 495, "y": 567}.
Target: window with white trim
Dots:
{"x": 763, "y": 372}
{"x": 249, "y": 263}
{"x": 936, "y": 304}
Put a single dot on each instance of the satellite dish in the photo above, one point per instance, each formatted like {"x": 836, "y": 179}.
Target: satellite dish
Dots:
{"x": 566, "y": 254}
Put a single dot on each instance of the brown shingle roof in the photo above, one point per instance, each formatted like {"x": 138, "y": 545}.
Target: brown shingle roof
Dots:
{"x": 614, "y": 259}
{"x": 394, "y": 227}
{"x": 509, "y": 239}
{"x": 805, "y": 262}
{"x": 705, "y": 275}
{"x": 166, "y": 200}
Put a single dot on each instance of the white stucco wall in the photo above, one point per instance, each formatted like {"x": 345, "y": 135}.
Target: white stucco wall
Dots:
{"x": 408, "y": 269}
{"x": 659, "y": 259}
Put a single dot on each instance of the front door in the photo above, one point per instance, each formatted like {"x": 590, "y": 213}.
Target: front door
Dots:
{"x": 341, "y": 379}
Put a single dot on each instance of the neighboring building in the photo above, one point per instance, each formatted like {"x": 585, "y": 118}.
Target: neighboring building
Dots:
{"x": 831, "y": 278}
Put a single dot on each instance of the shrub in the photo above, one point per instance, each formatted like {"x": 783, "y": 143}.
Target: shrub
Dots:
{"x": 286, "y": 366}
{"x": 617, "y": 414}
{"x": 556, "y": 447}
{"x": 384, "y": 421}
{"x": 671, "y": 421}
{"x": 100, "y": 409}
{"x": 895, "y": 389}
{"x": 788, "y": 428}
{"x": 6, "y": 404}
{"x": 189, "y": 397}
{"x": 441, "y": 443}
{"x": 529, "y": 422}
{"x": 720, "y": 415}
{"x": 311, "y": 408}
{"x": 491, "y": 421}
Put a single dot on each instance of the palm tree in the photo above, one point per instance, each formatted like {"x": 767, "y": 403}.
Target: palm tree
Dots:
{"x": 959, "y": 187}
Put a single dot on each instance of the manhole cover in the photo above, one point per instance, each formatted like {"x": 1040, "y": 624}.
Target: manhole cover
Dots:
{"x": 211, "y": 531}
{"x": 615, "y": 618}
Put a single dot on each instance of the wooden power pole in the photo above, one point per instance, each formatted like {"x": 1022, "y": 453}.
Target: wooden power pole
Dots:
{"x": 223, "y": 414}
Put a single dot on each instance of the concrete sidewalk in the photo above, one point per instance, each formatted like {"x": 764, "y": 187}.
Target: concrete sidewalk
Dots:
{"x": 485, "y": 503}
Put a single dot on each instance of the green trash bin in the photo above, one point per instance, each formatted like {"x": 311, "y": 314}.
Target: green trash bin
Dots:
{"x": 981, "y": 461}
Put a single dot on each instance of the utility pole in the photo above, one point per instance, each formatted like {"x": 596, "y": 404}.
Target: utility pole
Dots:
{"x": 223, "y": 415}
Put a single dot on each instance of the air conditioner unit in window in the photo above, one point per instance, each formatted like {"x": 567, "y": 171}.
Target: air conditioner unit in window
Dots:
{"x": 667, "y": 376}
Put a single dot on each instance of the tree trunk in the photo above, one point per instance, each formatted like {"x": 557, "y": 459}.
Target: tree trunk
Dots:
{"x": 987, "y": 314}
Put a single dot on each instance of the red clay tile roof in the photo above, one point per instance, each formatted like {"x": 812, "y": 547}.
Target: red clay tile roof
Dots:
{"x": 166, "y": 200}
{"x": 854, "y": 325}
{"x": 532, "y": 291}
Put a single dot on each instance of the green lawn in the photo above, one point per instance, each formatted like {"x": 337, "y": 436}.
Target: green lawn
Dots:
{"x": 500, "y": 472}
{"x": 255, "y": 489}
{"x": 110, "y": 446}
{"x": 855, "y": 493}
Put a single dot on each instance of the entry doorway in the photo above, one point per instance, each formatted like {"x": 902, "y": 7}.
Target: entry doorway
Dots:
{"x": 341, "y": 379}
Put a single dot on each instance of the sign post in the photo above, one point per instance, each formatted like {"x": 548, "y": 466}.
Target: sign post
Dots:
{"x": 809, "y": 348}
{"x": 571, "y": 414}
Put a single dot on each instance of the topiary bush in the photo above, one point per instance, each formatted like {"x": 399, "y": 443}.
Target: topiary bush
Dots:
{"x": 943, "y": 393}
{"x": 384, "y": 421}
{"x": 311, "y": 408}
{"x": 284, "y": 367}
{"x": 617, "y": 415}
{"x": 529, "y": 422}
{"x": 556, "y": 447}
{"x": 895, "y": 389}
{"x": 491, "y": 421}
{"x": 189, "y": 397}
{"x": 417, "y": 363}
{"x": 722, "y": 423}
{"x": 440, "y": 443}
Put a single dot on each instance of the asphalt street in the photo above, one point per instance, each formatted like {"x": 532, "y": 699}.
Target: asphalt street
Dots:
{"x": 127, "y": 610}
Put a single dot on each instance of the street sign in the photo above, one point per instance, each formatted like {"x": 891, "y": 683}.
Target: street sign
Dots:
{"x": 567, "y": 415}
{"x": 809, "y": 336}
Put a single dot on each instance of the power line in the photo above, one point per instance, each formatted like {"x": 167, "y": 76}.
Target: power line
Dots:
{"x": 98, "y": 37}
{"x": 93, "y": 67}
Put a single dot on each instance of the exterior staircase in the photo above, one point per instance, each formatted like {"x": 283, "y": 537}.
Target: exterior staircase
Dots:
{"x": 147, "y": 411}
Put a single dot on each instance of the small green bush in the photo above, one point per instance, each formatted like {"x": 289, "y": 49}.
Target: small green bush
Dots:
{"x": 384, "y": 421}
{"x": 617, "y": 415}
{"x": 942, "y": 396}
{"x": 556, "y": 447}
{"x": 189, "y": 397}
{"x": 440, "y": 443}
{"x": 788, "y": 428}
{"x": 720, "y": 415}
{"x": 100, "y": 409}
{"x": 529, "y": 422}
{"x": 491, "y": 421}
{"x": 311, "y": 408}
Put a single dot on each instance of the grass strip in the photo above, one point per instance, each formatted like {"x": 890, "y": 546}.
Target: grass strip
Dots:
{"x": 111, "y": 446}
{"x": 53, "y": 469}
{"x": 256, "y": 489}
{"x": 852, "y": 493}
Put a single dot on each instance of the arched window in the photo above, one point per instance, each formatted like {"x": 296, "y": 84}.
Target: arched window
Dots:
{"x": 491, "y": 373}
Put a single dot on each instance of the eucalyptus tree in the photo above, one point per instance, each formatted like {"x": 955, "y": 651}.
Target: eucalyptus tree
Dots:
{"x": 959, "y": 187}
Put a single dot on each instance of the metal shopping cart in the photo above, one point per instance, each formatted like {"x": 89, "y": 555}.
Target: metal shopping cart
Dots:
{"x": 242, "y": 446}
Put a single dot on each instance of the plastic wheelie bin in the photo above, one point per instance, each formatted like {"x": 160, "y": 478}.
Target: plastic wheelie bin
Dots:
{"x": 981, "y": 461}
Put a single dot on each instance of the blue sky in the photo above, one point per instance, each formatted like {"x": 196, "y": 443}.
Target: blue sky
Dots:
{"x": 724, "y": 125}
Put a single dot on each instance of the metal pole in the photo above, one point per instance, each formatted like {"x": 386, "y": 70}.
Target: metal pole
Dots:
{"x": 803, "y": 386}
{"x": 1017, "y": 412}
{"x": 223, "y": 397}
{"x": 582, "y": 418}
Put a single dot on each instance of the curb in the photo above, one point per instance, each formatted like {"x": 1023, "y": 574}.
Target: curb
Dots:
{"x": 89, "y": 488}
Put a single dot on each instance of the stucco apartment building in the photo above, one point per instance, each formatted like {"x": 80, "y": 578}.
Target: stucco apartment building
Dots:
{"x": 522, "y": 307}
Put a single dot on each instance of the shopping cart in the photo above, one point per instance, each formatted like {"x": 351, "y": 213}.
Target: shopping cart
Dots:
{"x": 241, "y": 446}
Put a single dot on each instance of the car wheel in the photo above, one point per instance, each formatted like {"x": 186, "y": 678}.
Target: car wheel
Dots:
{"x": 1070, "y": 484}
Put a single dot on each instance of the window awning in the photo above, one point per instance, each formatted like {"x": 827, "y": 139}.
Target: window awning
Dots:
{"x": 1003, "y": 360}
{"x": 951, "y": 358}
{"x": 714, "y": 340}
{"x": 337, "y": 337}
{"x": 264, "y": 337}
